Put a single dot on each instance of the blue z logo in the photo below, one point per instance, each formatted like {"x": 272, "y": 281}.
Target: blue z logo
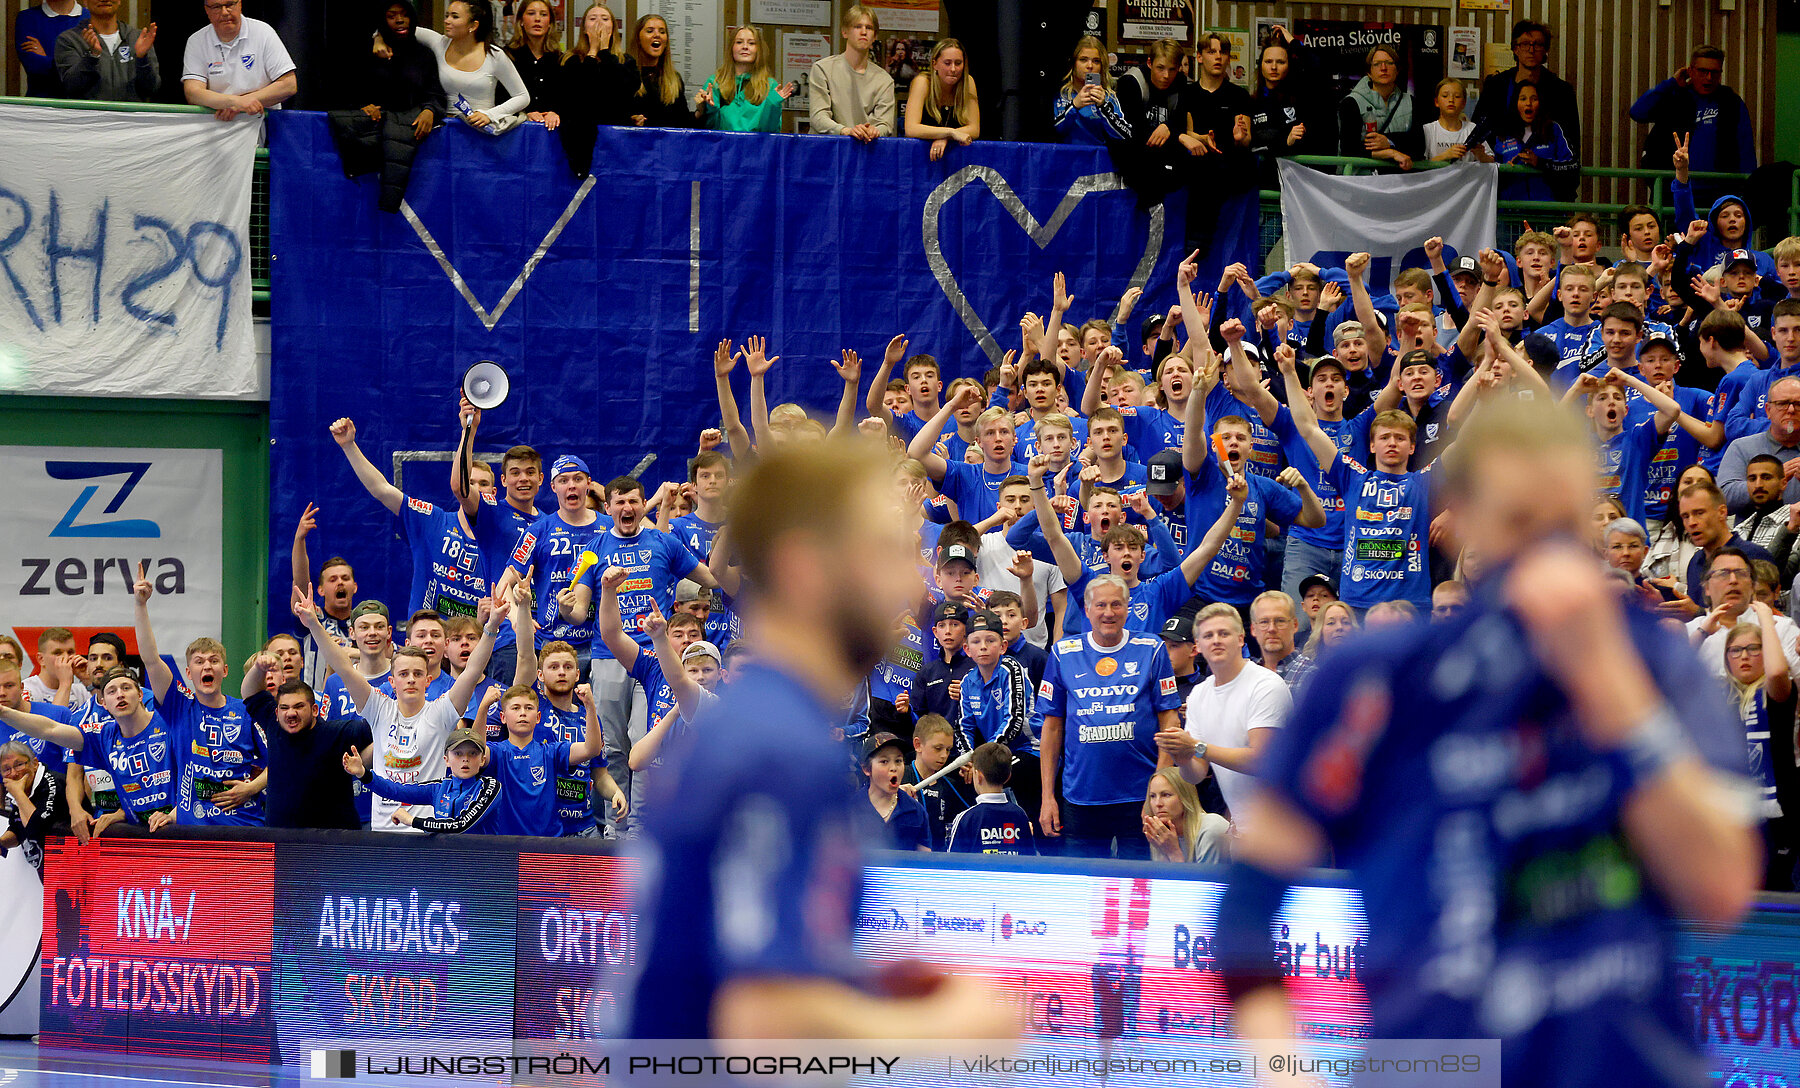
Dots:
{"x": 133, "y": 471}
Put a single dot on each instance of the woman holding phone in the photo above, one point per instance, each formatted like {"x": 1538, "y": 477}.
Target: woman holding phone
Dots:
{"x": 1087, "y": 111}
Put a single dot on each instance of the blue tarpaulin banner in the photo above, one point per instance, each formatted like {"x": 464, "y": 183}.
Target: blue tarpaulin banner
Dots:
{"x": 604, "y": 300}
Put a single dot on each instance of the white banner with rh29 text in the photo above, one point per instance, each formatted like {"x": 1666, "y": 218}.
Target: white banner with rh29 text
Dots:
{"x": 125, "y": 254}
{"x": 1325, "y": 218}
{"x": 80, "y": 519}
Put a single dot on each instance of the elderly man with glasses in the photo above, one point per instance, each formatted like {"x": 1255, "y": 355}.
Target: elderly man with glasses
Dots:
{"x": 237, "y": 66}
{"x": 1781, "y": 440}
{"x": 1731, "y": 588}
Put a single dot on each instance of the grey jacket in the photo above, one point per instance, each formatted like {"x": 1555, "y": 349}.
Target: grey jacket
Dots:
{"x": 106, "y": 78}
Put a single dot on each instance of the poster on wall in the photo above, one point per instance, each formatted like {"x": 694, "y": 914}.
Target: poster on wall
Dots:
{"x": 1465, "y": 53}
{"x": 1152, "y": 20}
{"x": 1486, "y": 5}
{"x": 694, "y": 40}
{"x": 79, "y": 522}
{"x": 914, "y": 16}
{"x": 799, "y": 52}
{"x": 1237, "y": 69}
{"x": 1262, "y": 31}
{"x": 905, "y": 58}
{"x": 791, "y": 12}
{"x": 1340, "y": 50}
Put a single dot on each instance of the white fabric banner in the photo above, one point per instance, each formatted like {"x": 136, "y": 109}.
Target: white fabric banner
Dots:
{"x": 79, "y": 520}
{"x": 125, "y": 254}
{"x": 1324, "y": 218}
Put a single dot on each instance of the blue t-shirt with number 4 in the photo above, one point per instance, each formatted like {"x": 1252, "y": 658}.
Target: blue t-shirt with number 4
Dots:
{"x": 1108, "y": 699}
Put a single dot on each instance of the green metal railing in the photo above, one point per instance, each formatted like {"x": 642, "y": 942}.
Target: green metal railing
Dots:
{"x": 1513, "y": 213}
{"x": 259, "y": 185}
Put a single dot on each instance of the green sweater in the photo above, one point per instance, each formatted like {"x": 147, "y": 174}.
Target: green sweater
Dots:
{"x": 741, "y": 114}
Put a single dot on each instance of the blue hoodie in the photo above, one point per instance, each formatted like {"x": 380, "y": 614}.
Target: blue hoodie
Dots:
{"x": 1712, "y": 248}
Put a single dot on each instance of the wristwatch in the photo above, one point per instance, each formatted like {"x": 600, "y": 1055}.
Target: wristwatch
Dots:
{"x": 1199, "y": 749}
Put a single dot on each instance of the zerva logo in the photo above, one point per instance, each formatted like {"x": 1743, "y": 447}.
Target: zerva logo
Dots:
{"x": 133, "y": 471}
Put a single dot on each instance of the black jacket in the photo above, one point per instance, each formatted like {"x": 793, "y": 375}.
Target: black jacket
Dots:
{"x": 1556, "y": 102}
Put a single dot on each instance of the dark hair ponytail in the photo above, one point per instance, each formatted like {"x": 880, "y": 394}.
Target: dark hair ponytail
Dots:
{"x": 483, "y": 13}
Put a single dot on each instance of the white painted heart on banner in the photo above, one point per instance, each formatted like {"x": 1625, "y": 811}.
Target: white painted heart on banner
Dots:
{"x": 1040, "y": 233}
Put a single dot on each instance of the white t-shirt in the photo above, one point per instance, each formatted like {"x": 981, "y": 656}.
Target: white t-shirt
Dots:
{"x": 1712, "y": 651}
{"x": 256, "y": 59}
{"x": 40, "y": 692}
{"x": 407, "y": 749}
{"x": 1439, "y": 139}
{"x": 1224, "y": 714}
{"x": 990, "y": 565}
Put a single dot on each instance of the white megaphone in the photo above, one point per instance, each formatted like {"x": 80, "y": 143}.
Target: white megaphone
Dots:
{"x": 486, "y": 385}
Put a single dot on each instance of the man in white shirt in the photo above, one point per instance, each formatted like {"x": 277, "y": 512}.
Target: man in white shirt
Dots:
{"x": 236, "y": 67}
{"x": 848, "y": 94}
{"x": 1730, "y": 589}
{"x": 1232, "y": 715}
{"x": 409, "y": 729}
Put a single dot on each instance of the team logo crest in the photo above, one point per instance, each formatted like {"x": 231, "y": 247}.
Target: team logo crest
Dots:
{"x": 159, "y": 751}
{"x": 1106, "y": 666}
{"x": 1131, "y": 668}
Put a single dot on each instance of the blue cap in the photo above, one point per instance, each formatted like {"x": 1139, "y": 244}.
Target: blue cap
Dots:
{"x": 568, "y": 462}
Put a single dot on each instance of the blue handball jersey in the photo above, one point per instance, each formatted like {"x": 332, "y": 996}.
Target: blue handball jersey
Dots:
{"x": 1235, "y": 575}
{"x": 1625, "y": 465}
{"x": 497, "y": 526}
{"x": 647, "y": 671}
{"x": 1002, "y": 709}
{"x": 529, "y": 776}
{"x": 896, "y": 671}
{"x": 54, "y": 757}
{"x": 992, "y": 825}
{"x": 1152, "y": 601}
{"x": 143, "y": 767}
{"x": 574, "y": 782}
{"x": 218, "y": 747}
{"x": 723, "y": 626}
{"x": 1450, "y": 779}
{"x": 653, "y": 561}
{"x": 1352, "y": 438}
{"x": 1265, "y": 458}
{"x": 1387, "y": 533}
{"x": 447, "y": 574}
{"x": 781, "y": 852}
{"x": 1149, "y": 431}
{"x": 549, "y": 547}
{"x": 975, "y": 490}
{"x": 1109, "y": 700}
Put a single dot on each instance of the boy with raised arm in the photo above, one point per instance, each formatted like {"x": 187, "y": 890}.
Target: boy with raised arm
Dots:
{"x": 497, "y": 517}
{"x": 407, "y": 727}
{"x": 1235, "y": 574}
{"x": 924, "y": 384}
{"x": 222, "y": 766}
{"x": 535, "y": 765}
{"x": 135, "y": 744}
{"x": 975, "y": 489}
{"x": 1625, "y": 448}
{"x": 1151, "y": 602}
{"x": 447, "y": 575}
